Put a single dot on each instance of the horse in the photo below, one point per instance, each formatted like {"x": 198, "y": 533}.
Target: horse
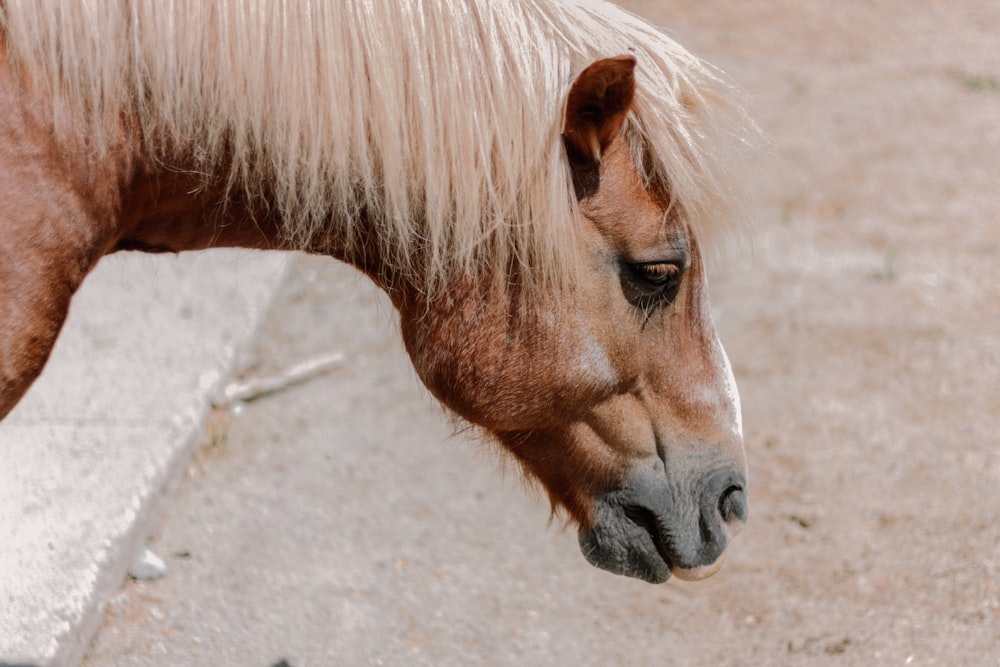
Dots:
{"x": 530, "y": 182}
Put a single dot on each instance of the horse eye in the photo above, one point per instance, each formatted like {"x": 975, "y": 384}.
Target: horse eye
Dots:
{"x": 651, "y": 284}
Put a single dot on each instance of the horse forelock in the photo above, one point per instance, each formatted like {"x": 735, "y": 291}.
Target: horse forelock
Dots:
{"x": 440, "y": 120}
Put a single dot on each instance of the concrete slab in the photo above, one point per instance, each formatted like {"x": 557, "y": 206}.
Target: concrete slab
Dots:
{"x": 86, "y": 455}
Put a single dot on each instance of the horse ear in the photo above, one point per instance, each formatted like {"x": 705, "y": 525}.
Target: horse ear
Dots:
{"x": 596, "y": 106}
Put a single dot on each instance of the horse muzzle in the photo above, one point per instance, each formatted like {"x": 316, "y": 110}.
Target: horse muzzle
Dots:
{"x": 656, "y": 526}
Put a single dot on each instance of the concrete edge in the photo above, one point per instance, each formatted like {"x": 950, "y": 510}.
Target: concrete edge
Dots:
{"x": 135, "y": 539}
{"x": 151, "y": 408}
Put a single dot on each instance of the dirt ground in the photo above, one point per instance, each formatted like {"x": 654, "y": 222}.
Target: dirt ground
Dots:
{"x": 863, "y": 322}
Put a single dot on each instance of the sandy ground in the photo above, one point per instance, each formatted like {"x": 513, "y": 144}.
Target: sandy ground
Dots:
{"x": 338, "y": 523}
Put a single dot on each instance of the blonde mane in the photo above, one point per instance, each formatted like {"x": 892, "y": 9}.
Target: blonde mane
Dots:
{"x": 439, "y": 119}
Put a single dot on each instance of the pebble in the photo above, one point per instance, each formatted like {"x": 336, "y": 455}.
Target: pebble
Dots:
{"x": 147, "y": 566}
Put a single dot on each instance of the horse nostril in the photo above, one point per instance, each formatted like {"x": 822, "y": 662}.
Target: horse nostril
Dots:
{"x": 733, "y": 504}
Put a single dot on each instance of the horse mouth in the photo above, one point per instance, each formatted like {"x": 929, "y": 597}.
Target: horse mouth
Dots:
{"x": 632, "y": 543}
{"x": 659, "y": 535}
{"x": 645, "y": 519}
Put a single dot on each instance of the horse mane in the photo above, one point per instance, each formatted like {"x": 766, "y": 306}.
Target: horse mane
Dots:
{"x": 439, "y": 121}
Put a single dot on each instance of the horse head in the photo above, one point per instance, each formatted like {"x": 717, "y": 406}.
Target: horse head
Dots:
{"x": 616, "y": 394}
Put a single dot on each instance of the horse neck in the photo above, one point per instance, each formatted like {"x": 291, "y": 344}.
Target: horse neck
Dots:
{"x": 175, "y": 209}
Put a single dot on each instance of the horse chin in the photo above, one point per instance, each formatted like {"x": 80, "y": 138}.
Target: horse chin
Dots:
{"x": 699, "y": 573}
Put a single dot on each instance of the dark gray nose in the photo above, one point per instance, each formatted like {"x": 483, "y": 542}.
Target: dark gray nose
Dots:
{"x": 657, "y": 524}
{"x": 692, "y": 522}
